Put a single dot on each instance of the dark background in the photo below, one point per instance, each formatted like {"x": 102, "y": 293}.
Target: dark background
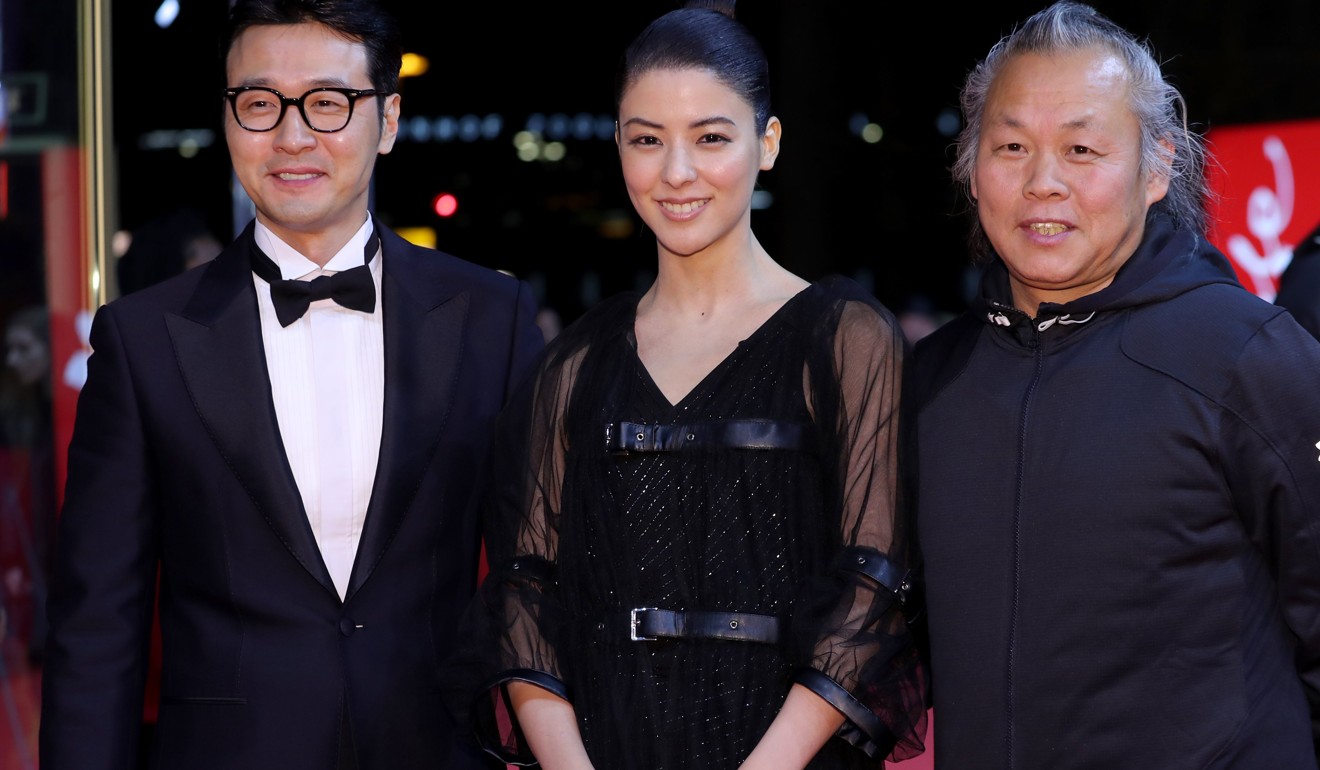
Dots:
{"x": 884, "y": 213}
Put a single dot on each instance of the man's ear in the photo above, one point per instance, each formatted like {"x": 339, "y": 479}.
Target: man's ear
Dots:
{"x": 1159, "y": 177}
{"x": 389, "y": 129}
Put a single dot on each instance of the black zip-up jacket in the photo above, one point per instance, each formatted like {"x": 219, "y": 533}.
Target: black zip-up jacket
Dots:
{"x": 1119, "y": 515}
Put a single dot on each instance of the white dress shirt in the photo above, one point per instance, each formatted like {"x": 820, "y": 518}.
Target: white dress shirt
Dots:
{"x": 327, "y": 377}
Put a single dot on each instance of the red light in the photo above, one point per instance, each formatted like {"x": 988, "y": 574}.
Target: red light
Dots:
{"x": 445, "y": 204}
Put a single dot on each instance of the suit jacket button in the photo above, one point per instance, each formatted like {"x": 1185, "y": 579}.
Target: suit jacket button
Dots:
{"x": 347, "y": 627}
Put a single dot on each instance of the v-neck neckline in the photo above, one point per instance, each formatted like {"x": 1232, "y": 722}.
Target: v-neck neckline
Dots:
{"x": 719, "y": 366}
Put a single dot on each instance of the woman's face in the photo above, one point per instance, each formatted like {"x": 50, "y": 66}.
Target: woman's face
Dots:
{"x": 691, "y": 153}
{"x": 26, "y": 354}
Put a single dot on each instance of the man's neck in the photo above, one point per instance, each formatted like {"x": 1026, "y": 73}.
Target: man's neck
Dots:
{"x": 320, "y": 246}
{"x": 294, "y": 259}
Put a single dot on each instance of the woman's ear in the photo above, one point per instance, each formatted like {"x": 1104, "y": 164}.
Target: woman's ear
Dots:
{"x": 774, "y": 132}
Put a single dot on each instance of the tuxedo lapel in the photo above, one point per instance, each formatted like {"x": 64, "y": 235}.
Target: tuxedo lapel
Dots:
{"x": 217, "y": 341}
{"x": 424, "y": 332}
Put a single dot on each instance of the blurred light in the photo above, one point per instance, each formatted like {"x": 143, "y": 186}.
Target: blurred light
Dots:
{"x": 948, "y": 122}
{"x": 167, "y": 13}
{"x": 524, "y": 138}
{"x": 536, "y": 123}
{"x": 420, "y": 128}
{"x": 445, "y": 204}
{"x": 491, "y": 125}
{"x": 554, "y": 151}
{"x": 857, "y": 122}
{"x": 872, "y": 133}
{"x": 120, "y": 241}
{"x": 589, "y": 288}
{"x": 604, "y": 127}
{"x": 762, "y": 199}
{"x": 529, "y": 152}
{"x": 418, "y": 236}
{"x": 584, "y": 126}
{"x": 414, "y": 65}
{"x": 558, "y": 127}
{"x": 444, "y": 128}
{"x": 617, "y": 224}
{"x": 188, "y": 147}
{"x": 169, "y": 139}
{"x": 469, "y": 128}
{"x": 4, "y": 114}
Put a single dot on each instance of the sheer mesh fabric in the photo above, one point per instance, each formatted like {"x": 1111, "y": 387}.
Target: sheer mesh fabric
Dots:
{"x": 579, "y": 535}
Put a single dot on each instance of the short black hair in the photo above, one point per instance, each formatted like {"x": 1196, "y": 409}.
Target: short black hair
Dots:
{"x": 364, "y": 21}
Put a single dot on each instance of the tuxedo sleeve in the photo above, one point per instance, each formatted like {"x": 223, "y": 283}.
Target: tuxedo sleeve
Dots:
{"x": 528, "y": 339}
{"x": 104, "y": 577}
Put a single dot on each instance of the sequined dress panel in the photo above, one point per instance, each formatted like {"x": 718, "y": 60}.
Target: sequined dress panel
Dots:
{"x": 705, "y": 527}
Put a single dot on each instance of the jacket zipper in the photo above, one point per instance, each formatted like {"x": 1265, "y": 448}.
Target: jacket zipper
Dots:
{"x": 1010, "y": 688}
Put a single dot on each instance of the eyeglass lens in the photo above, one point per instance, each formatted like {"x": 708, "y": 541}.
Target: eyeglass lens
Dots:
{"x": 259, "y": 109}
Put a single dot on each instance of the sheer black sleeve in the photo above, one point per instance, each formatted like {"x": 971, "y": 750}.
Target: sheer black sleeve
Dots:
{"x": 511, "y": 629}
{"x": 851, "y": 622}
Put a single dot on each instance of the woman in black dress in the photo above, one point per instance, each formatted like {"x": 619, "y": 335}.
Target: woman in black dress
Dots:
{"x": 698, "y": 558}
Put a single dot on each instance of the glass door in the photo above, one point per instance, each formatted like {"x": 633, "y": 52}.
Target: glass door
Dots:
{"x": 55, "y": 220}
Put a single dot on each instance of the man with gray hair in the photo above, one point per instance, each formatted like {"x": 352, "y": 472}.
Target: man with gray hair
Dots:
{"x": 1119, "y": 469}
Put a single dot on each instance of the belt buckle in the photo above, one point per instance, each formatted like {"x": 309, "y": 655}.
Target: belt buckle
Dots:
{"x": 619, "y": 451}
{"x": 633, "y": 620}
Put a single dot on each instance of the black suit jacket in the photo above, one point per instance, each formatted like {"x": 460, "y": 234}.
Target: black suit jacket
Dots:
{"x": 1299, "y": 286}
{"x": 176, "y": 462}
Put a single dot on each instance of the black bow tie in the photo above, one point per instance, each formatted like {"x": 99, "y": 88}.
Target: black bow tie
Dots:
{"x": 352, "y": 288}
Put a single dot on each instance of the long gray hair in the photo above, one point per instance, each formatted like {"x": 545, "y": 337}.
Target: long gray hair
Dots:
{"x": 1167, "y": 143}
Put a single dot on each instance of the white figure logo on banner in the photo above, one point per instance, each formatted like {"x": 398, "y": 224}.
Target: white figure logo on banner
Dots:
{"x": 1268, "y": 214}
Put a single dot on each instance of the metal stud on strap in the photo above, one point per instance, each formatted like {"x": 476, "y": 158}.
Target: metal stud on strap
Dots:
{"x": 879, "y": 568}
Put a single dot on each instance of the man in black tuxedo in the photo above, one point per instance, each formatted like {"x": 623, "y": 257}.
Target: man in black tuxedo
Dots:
{"x": 1299, "y": 286}
{"x": 300, "y": 460}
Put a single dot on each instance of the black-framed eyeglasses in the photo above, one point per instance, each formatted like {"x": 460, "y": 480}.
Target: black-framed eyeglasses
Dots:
{"x": 327, "y": 110}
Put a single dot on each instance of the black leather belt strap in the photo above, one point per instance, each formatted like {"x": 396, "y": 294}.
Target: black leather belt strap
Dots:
{"x": 533, "y": 567}
{"x": 879, "y": 568}
{"x": 648, "y": 624}
{"x": 625, "y": 437}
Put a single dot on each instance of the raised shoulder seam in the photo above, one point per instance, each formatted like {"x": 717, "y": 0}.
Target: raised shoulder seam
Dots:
{"x": 1197, "y": 338}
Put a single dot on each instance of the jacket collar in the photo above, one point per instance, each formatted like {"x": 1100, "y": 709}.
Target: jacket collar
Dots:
{"x": 217, "y": 342}
{"x": 1170, "y": 260}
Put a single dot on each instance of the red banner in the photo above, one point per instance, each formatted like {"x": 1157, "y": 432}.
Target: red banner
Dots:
{"x": 68, "y": 292}
{"x": 1267, "y": 177}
